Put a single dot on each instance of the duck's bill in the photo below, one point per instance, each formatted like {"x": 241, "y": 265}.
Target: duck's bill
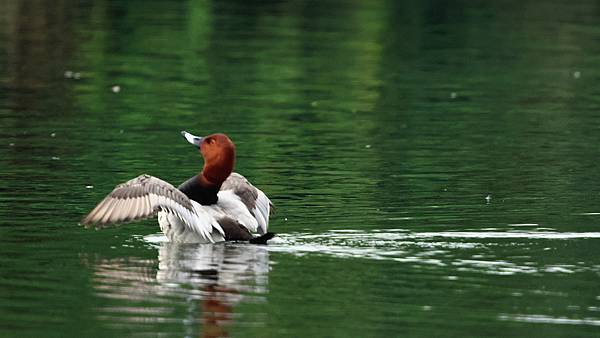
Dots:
{"x": 195, "y": 140}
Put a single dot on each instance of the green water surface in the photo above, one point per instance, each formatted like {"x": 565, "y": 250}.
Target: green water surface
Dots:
{"x": 434, "y": 166}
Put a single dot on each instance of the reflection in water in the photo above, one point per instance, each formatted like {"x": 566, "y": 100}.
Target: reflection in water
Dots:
{"x": 209, "y": 280}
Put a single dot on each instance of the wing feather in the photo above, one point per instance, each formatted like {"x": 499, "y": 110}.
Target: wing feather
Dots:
{"x": 119, "y": 210}
{"x": 106, "y": 213}
{"x": 263, "y": 210}
{"x": 257, "y": 203}
{"x": 147, "y": 203}
{"x": 141, "y": 198}
{"x": 136, "y": 210}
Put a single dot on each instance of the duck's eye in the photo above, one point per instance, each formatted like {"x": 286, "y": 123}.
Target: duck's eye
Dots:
{"x": 210, "y": 140}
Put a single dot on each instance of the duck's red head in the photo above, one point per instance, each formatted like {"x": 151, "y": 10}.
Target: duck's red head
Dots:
{"x": 218, "y": 152}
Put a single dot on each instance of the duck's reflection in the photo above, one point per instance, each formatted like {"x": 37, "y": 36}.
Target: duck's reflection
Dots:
{"x": 201, "y": 283}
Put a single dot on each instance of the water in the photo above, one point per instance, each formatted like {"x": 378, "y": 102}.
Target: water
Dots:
{"x": 433, "y": 165}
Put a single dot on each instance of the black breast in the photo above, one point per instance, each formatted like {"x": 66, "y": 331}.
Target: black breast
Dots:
{"x": 194, "y": 190}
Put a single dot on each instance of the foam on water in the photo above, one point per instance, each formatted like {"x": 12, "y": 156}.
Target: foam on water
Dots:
{"x": 543, "y": 319}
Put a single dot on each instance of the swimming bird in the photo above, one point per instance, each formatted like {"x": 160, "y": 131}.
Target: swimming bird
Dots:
{"x": 213, "y": 206}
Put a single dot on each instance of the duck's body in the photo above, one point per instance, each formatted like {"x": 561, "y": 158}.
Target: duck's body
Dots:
{"x": 215, "y": 205}
{"x": 241, "y": 209}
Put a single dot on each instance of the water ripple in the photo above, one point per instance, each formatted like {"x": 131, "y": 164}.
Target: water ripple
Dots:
{"x": 489, "y": 252}
{"x": 543, "y": 319}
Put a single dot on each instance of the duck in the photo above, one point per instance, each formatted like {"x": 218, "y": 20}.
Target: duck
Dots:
{"x": 213, "y": 206}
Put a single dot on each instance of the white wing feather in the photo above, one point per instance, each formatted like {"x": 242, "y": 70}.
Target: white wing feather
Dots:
{"x": 262, "y": 211}
{"x": 143, "y": 197}
{"x": 254, "y": 200}
{"x": 231, "y": 206}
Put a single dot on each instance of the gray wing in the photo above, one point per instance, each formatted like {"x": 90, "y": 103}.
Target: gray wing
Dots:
{"x": 255, "y": 200}
{"x": 141, "y": 198}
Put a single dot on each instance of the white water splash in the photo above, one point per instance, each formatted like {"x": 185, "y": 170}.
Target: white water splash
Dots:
{"x": 464, "y": 251}
{"x": 446, "y": 248}
{"x": 543, "y": 319}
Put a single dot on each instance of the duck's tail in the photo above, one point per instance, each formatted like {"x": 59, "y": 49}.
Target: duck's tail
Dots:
{"x": 262, "y": 239}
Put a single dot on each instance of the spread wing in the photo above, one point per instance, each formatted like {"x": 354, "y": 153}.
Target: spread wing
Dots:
{"x": 255, "y": 200}
{"x": 141, "y": 198}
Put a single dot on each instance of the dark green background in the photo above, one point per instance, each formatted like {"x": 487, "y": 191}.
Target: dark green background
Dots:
{"x": 377, "y": 128}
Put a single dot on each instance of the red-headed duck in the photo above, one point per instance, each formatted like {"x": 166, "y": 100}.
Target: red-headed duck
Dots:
{"x": 215, "y": 205}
